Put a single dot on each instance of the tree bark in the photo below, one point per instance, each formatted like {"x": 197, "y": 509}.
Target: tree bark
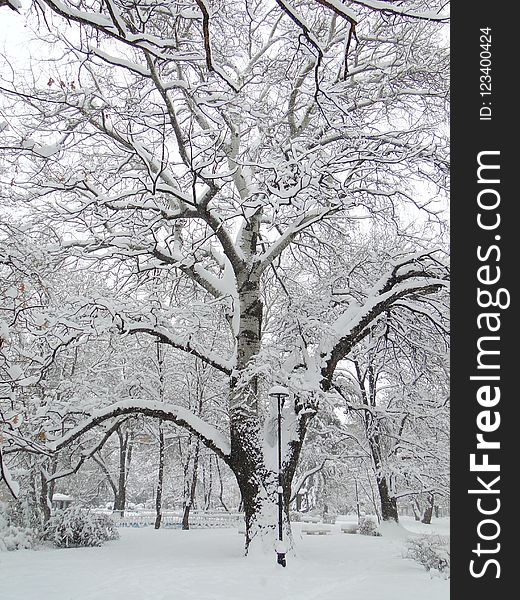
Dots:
{"x": 45, "y": 502}
{"x": 388, "y": 502}
{"x": 47, "y": 489}
{"x": 428, "y": 512}
{"x": 416, "y": 509}
{"x": 368, "y": 387}
{"x": 258, "y": 484}
{"x": 125, "y": 457}
{"x": 207, "y": 480}
{"x": 221, "y": 486}
{"x": 191, "y": 488}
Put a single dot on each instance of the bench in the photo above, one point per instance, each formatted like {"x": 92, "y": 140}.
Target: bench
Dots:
{"x": 329, "y": 519}
{"x": 314, "y": 529}
{"x": 309, "y": 519}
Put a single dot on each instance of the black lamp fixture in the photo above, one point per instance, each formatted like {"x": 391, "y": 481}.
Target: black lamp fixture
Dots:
{"x": 280, "y": 393}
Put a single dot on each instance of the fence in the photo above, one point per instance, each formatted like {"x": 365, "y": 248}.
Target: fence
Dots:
{"x": 173, "y": 520}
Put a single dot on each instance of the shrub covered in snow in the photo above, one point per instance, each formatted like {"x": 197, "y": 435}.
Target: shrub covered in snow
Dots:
{"x": 368, "y": 526}
{"x": 431, "y": 551}
{"x": 14, "y": 535}
{"x": 75, "y": 527}
{"x": 349, "y": 527}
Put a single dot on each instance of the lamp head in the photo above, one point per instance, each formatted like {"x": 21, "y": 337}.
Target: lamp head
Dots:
{"x": 279, "y": 390}
{"x": 280, "y": 393}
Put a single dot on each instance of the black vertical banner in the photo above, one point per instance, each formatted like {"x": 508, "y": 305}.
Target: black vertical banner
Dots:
{"x": 484, "y": 247}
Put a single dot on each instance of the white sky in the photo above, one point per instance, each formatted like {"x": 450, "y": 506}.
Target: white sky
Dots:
{"x": 14, "y": 35}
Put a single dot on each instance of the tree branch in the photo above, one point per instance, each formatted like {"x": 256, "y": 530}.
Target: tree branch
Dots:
{"x": 209, "y": 435}
{"x": 408, "y": 277}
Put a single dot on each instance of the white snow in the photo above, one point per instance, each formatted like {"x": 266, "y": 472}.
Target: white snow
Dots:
{"x": 15, "y": 372}
{"x": 378, "y": 5}
{"x": 341, "y": 8}
{"x": 56, "y": 497}
{"x": 47, "y": 150}
{"x": 209, "y": 565}
{"x": 120, "y": 61}
{"x": 279, "y": 390}
{"x": 186, "y": 13}
{"x": 178, "y": 412}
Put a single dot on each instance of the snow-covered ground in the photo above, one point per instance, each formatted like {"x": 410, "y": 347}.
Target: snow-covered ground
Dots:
{"x": 208, "y": 565}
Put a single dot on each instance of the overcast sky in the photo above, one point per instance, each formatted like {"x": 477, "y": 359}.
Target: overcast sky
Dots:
{"x": 14, "y": 34}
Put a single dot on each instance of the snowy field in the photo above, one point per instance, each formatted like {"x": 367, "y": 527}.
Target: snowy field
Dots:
{"x": 208, "y": 565}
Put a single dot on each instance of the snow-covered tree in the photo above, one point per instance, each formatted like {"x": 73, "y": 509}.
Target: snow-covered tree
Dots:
{"x": 397, "y": 388}
{"x": 238, "y": 151}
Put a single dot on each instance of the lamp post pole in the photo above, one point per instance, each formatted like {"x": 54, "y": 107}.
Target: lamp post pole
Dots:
{"x": 280, "y": 393}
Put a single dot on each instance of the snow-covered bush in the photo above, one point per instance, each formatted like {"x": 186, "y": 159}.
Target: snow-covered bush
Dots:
{"x": 107, "y": 523}
{"x": 14, "y": 536}
{"x": 368, "y": 526}
{"x": 350, "y": 528}
{"x": 74, "y": 527}
{"x": 431, "y": 551}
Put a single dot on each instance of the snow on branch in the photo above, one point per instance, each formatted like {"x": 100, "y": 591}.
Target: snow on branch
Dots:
{"x": 13, "y": 4}
{"x": 181, "y": 416}
{"x": 115, "y": 26}
{"x": 212, "y": 67}
{"x": 391, "y": 8}
{"x": 411, "y": 276}
{"x": 339, "y": 9}
{"x": 18, "y": 442}
{"x": 180, "y": 343}
{"x": 291, "y": 12}
{"x": 296, "y": 227}
{"x": 118, "y": 61}
{"x": 351, "y": 17}
{"x": 298, "y": 484}
{"x": 86, "y": 454}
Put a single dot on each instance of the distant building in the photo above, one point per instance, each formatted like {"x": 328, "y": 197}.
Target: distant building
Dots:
{"x": 61, "y": 501}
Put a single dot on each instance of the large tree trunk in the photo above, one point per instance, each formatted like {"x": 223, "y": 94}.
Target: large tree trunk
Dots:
{"x": 254, "y": 466}
{"x": 47, "y": 489}
{"x": 259, "y": 499}
{"x": 257, "y": 485}
{"x": 207, "y": 482}
{"x": 388, "y": 502}
{"x": 368, "y": 388}
{"x": 45, "y": 498}
{"x": 160, "y": 474}
{"x": 125, "y": 457}
{"x": 252, "y": 460}
{"x": 416, "y": 509}
{"x": 428, "y": 512}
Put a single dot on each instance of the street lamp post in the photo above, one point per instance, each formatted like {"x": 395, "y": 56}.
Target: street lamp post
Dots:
{"x": 281, "y": 394}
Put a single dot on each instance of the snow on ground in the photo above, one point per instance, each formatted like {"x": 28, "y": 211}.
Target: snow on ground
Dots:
{"x": 438, "y": 526}
{"x": 171, "y": 564}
